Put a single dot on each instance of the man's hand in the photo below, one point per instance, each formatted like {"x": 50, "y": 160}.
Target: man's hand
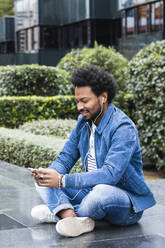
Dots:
{"x": 46, "y": 177}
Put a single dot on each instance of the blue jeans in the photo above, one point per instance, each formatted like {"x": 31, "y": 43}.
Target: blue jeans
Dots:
{"x": 100, "y": 202}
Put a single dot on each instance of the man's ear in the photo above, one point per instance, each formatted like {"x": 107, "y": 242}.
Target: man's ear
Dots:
{"x": 104, "y": 98}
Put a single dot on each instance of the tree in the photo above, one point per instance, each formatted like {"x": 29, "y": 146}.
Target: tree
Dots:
{"x": 6, "y": 7}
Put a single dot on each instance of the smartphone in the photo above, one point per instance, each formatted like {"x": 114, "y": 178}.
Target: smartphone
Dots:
{"x": 32, "y": 170}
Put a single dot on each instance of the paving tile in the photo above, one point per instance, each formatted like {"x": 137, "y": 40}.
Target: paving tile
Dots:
{"x": 9, "y": 223}
{"x": 154, "y": 241}
{"x": 20, "y": 230}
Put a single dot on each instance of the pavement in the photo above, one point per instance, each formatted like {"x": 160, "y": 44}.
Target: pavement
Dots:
{"x": 19, "y": 230}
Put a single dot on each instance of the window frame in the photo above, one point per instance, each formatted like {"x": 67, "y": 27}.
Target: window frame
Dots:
{"x": 136, "y": 19}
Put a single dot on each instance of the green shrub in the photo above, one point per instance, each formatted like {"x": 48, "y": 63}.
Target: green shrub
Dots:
{"x": 145, "y": 80}
{"x": 14, "y": 111}
{"x": 29, "y": 150}
{"x": 153, "y": 49}
{"x": 55, "y": 127}
{"x": 107, "y": 58}
{"x": 27, "y": 80}
{"x": 74, "y": 59}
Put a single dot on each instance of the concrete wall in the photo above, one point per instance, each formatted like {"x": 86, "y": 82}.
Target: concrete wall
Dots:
{"x": 44, "y": 57}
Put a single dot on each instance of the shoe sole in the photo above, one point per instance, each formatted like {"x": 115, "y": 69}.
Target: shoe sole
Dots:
{"x": 74, "y": 226}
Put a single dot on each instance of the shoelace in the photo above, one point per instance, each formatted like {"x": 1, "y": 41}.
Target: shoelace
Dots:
{"x": 50, "y": 216}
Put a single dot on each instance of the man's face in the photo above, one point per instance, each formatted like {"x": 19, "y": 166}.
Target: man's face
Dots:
{"x": 88, "y": 104}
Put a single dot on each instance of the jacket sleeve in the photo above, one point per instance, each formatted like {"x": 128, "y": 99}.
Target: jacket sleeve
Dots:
{"x": 123, "y": 144}
{"x": 69, "y": 154}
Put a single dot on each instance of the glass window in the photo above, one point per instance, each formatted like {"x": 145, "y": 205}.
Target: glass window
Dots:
{"x": 123, "y": 22}
{"x": 157, "y": 16}
{"x": 84, "y": 33}
{"x": 27, "y": 40}
{"x": 33, "y": 12}
{"x": 49, "y": 37}
{"x": 26, "y": 19}
{"x": 19, "y": 15}
{"x": 66, "y": 37}
{"x": 89, "y": 33}
{"x": 76, "y": 35}
{"x": 10, "y": 47}
{"x": 2, "y": 48}
{"x": 103, "y": 30}
{"x": 35, "y": 38}
{"x": 130, "y": 3}
{"x": 130, "y": 21}
{"x": 142, "y": 19}
{"x": 21, "y": 41}
{"x": 26, "y": 14}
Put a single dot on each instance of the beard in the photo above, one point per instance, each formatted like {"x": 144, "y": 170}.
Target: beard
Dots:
{"x": 96, "y": 115}
{"x": 93, "y": 116}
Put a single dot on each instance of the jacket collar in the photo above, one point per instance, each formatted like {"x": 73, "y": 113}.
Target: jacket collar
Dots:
{"x": 104, "y": 121}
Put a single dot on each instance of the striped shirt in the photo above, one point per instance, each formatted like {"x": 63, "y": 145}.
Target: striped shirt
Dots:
{"x": 91, "y": 153}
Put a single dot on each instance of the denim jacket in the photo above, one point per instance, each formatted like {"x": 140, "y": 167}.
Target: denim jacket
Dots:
{"x": 118, "y": 157}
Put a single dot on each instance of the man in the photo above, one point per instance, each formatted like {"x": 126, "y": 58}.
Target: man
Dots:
{"x": 112, "y": 186}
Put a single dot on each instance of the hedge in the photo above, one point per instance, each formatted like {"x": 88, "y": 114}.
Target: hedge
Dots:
{"x": 105, "y": 57}
{"x": 29, "y": 150}
{"x": 14, "y": 111}
{"x": 54, "y": 127}
{"x": 153, "y": 49}
{"x": 145, "y": 81}
{"x": 28, "y": 80}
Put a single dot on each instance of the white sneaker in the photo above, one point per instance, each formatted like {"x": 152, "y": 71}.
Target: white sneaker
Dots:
{"x": 43, "y": 214}
{"x": 74, "y": 226}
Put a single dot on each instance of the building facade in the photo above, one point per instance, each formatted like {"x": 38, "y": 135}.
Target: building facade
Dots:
{"x": 46, "y": 30}
{"x": 142, "y": 23}
{"x": 42, "y": 32}
{"x": 7, "y": 39}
